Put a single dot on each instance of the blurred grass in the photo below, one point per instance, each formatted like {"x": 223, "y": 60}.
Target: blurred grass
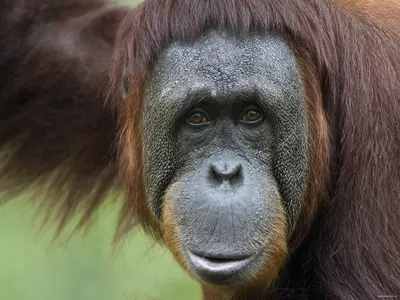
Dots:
{"x": 84, "y": 268}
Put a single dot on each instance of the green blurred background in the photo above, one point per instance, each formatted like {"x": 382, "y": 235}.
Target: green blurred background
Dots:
{"x": 84, "y": 268}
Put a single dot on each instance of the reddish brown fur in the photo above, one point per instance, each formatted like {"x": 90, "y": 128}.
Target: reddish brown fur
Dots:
{"x": 53, "y": 55}
{"x": 349, "y": 54}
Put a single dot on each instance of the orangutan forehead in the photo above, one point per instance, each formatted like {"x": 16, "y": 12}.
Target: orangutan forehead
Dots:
{"x": 220, "y": 64}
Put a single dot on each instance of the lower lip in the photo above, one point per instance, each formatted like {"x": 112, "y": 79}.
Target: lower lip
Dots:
{"x": 218, "y": 271}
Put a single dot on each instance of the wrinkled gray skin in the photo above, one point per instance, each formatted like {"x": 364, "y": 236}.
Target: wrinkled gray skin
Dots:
{"x": 231, "y": 178}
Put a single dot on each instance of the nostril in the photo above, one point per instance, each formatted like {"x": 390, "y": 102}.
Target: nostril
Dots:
{"x": 225, "y": 172}
{"x": 237, "y": 177}
{"x": 215, "y": 174}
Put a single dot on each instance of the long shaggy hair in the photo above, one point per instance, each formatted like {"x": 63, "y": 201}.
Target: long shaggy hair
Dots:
{"x": 55, "y": 134}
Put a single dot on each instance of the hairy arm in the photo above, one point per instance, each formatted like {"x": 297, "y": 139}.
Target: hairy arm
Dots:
{"x": 55, "y": 134}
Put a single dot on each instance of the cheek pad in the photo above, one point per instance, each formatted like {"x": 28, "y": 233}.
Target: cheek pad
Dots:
{"x": 291, "y": 164}
{"x": 159, "y": 153}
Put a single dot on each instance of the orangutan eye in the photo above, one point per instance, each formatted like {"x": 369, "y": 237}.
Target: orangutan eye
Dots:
{"x": 252, "y": 116}
{"x": 198, "y": 118}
